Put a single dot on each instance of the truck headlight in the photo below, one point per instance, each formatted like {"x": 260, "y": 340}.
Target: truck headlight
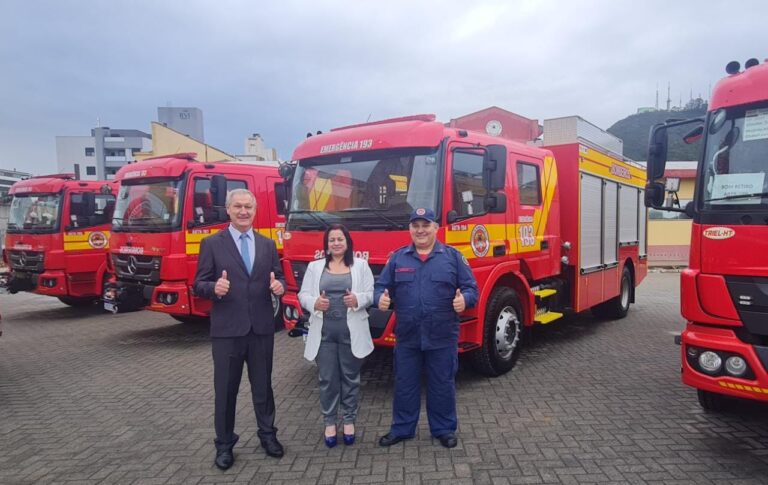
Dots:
{"x": 735, "y": 365}
{"x": 710, "y": 362}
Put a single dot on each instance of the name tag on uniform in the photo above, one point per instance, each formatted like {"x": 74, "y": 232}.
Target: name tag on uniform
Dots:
{"x": 405, "y": 270}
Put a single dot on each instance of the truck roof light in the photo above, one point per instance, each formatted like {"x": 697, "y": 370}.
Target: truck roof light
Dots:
{"x": 732, "y": 67}
{"x": 751, "y": 63}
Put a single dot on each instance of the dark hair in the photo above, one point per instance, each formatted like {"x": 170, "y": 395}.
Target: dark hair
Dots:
{"x": 349, "y": 254}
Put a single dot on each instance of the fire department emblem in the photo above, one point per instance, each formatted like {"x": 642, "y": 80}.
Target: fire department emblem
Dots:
{"x": 480, "y": 241}
{"x": 97, "y": 240}
{"x": 421, "y": 212}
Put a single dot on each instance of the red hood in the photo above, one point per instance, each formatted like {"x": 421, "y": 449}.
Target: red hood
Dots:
{"x": 731, "y": 250}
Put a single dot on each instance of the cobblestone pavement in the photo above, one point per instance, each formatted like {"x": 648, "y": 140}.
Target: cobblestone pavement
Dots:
{"x": 88, "y": 397}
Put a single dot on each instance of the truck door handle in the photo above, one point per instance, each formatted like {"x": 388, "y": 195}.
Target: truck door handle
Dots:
{"x": 544, "y": 244}
{"x": 499, "y": 250}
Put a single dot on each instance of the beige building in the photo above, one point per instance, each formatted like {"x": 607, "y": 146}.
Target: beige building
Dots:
{"x": 669, "y": 233}
{"x": 166, "y": 141}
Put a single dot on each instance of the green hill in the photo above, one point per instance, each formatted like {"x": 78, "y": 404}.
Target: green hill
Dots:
{"x": 634, "y": 131}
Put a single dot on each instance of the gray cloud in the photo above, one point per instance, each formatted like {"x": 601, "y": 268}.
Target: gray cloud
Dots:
{"x": 285, "y": 68}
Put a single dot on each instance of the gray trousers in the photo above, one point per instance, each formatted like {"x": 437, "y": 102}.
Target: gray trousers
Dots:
{"x": 338, "y": 372}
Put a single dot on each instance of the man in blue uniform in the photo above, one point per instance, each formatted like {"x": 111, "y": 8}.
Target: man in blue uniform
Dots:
{"x": 430, "y": 284}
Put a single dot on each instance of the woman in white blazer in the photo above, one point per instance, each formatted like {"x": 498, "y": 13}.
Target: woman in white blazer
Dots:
{"x": 337, "y": 290}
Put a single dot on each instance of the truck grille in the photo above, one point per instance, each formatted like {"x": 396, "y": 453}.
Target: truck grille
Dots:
{"x": 31, "y": 261}
{"x": 750, "y": 297}
{"x": 135, "y": 267}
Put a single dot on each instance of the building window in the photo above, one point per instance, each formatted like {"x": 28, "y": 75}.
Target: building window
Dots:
{"x": 90, "y": 170}
{"x": 90, "y": 152}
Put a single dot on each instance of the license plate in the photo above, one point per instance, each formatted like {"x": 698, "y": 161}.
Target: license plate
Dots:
{"x": 110, "y": 307}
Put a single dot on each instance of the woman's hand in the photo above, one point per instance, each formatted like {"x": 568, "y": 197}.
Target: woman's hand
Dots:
{"x": 350, "y": 300}
{"x": 322, "y": 303}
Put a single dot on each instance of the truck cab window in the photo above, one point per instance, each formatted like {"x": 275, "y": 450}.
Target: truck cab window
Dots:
{"x": 528, "y": 184}
{"x": 79, "y": 215}
{"x": 469, "y": 192}
{"x": 203, "y": 209}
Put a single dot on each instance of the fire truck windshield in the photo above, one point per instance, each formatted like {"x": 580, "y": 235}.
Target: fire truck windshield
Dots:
{"x": 365, "y": 190}
{"x": 736, "y": 160}
{"x": 149, "y": 207}
{"x": 35, "y": 214}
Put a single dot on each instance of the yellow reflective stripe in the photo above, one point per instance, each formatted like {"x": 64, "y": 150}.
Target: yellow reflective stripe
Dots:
{"x": 596, "y": 163}
{"x": 79, "y": 241}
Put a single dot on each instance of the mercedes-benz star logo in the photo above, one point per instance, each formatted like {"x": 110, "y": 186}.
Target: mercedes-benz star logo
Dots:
{"x": 132, "y": 264}
{"x": 22, "y": 258}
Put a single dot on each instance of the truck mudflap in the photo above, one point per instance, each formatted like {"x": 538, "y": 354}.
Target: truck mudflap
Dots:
{"x": 715, "y": 360}
{"x": 126, "y": 297}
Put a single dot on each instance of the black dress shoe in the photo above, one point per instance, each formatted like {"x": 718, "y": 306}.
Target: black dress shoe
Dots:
{"x": 273, "y": 447}
{"x": 390, "y": 439}
{"x": 448, "y": 440}
{"x": 224, "y": 459}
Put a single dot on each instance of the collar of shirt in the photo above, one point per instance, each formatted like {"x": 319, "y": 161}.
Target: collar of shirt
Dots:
{"x": 438, "y": 248}
{"x": 236, "y": 234}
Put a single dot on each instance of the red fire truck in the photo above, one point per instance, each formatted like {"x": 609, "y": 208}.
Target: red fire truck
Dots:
{"x": 724, "y": 291}
{"x": 545, "y": 230}
{"x": 58, "y": 235}
{"x": 165, "y": 207}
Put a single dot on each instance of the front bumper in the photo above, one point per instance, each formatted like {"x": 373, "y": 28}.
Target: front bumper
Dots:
{"x": 726, "y": 342}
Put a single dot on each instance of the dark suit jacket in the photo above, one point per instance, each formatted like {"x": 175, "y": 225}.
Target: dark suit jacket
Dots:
{"x": 248, "y": 305}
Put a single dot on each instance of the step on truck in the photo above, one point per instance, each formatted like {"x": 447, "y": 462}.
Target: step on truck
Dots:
{"x": 58, "y": 237}
{"x": 724, "y": 290}
{"x": 165, "y": 207}
{"x": 546, "y": 230}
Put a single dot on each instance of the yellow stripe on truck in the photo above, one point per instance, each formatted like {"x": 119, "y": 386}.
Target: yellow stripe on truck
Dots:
{"x": 86, "y": 240}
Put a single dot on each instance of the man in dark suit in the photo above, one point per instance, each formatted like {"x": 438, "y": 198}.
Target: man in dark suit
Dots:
{"x": 239, "y": 270}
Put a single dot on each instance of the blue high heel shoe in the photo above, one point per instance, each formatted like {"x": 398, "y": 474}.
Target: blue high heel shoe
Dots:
{"x": 349, "y": 439}
{"x": 330, "y": 441}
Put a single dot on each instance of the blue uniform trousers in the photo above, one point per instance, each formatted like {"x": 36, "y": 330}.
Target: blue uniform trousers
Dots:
{"x": 440, "y": 366}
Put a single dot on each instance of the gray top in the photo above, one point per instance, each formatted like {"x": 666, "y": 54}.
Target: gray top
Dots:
{"x": 335, "y": 318}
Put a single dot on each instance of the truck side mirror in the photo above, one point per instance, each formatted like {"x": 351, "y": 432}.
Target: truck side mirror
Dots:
{"x": 286, "y": 170}
{"x": 219, "y": 190}
{"x": 88, "y": 204}
{"x": 654, "y": 194}
{"x": 496, "y": 203}
{"x": 657, "y": 152}
{"x": 495, "y": 167}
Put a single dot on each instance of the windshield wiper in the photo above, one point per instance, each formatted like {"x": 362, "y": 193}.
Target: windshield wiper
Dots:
{"x": 377, "y": 213}
{"x": 739, "y": 196}
{"x": 314, "y": 216}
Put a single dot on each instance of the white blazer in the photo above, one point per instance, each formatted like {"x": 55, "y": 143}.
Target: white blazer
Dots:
{"x": 357, "y": 318}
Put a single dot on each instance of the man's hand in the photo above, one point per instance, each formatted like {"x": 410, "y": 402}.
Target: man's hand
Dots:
{"x": 458, "y": 302}
{"x": 222, "y": 285}
{"x": 350, "y": 300}
{"x": 385, "y": 301}
{"x": 275, "y": 286}
{"x": 322, "y": 303}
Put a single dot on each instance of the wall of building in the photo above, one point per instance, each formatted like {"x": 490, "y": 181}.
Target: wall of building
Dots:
{"x": 669, "y": 233}
{"x": 187, "y": 121}
{"x": 166, "y": 141}
{"x": 71, "y": 156}
{"x": 499, "y": 122}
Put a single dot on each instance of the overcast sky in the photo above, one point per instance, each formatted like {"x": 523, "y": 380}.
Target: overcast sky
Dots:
{"x": 288, "y": 67}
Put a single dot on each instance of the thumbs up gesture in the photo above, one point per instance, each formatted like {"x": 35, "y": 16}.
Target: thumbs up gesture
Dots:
{"x": 222, "y": 285}
{"x": 458, "y": 302}
{"x": 322, "y": 303}
{"x": 385, "y": 301}
{"x": 350, "y": 300}
{"x": 275, "y": 286}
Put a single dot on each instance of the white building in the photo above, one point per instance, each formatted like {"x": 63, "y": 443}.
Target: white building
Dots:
{"x": 99, "y": 156}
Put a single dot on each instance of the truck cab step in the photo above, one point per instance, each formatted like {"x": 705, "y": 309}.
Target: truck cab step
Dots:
{"x": 547, "y": 317}
{"x": 545, "y": 292}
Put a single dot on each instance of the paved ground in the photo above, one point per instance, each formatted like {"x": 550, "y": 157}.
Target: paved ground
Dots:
{"x": 88, "y": 397}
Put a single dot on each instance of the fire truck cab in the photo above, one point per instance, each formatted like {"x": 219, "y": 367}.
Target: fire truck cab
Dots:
{"x": 165, "y": 207}
{"x": 545, "y": 230}
{"x": 58, "y": 235}
{"x": 724, "y": 290}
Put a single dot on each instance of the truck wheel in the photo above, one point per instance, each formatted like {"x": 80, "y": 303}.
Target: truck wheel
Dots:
{"x": 711, "y": 401}
{"x": 277, "y": 313}
{"x": 502, "y": 334}
{"x": 191, "y": 319}
{"x": 77, "y": 302}
{"x": 618, "y": 306}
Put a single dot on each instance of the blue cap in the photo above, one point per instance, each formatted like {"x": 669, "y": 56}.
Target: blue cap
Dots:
{"x": 422, "y": 213}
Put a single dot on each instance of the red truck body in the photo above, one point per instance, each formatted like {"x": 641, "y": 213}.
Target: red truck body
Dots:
{"x": 529, "y": 220}
{"x": 165, "y": 207}
{"x": 58, "y": 235}
{"x": 724, "y": 290}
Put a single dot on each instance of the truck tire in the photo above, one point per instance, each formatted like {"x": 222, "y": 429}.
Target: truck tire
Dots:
{"x": 711, "y": 401}
{"x": 78, "y": 301}
{"x": 618, "y": 306}
{"x": 502, "y": 334}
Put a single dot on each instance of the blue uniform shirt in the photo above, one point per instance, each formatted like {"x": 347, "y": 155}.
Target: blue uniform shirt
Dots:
{"x": 422, "y": 294}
